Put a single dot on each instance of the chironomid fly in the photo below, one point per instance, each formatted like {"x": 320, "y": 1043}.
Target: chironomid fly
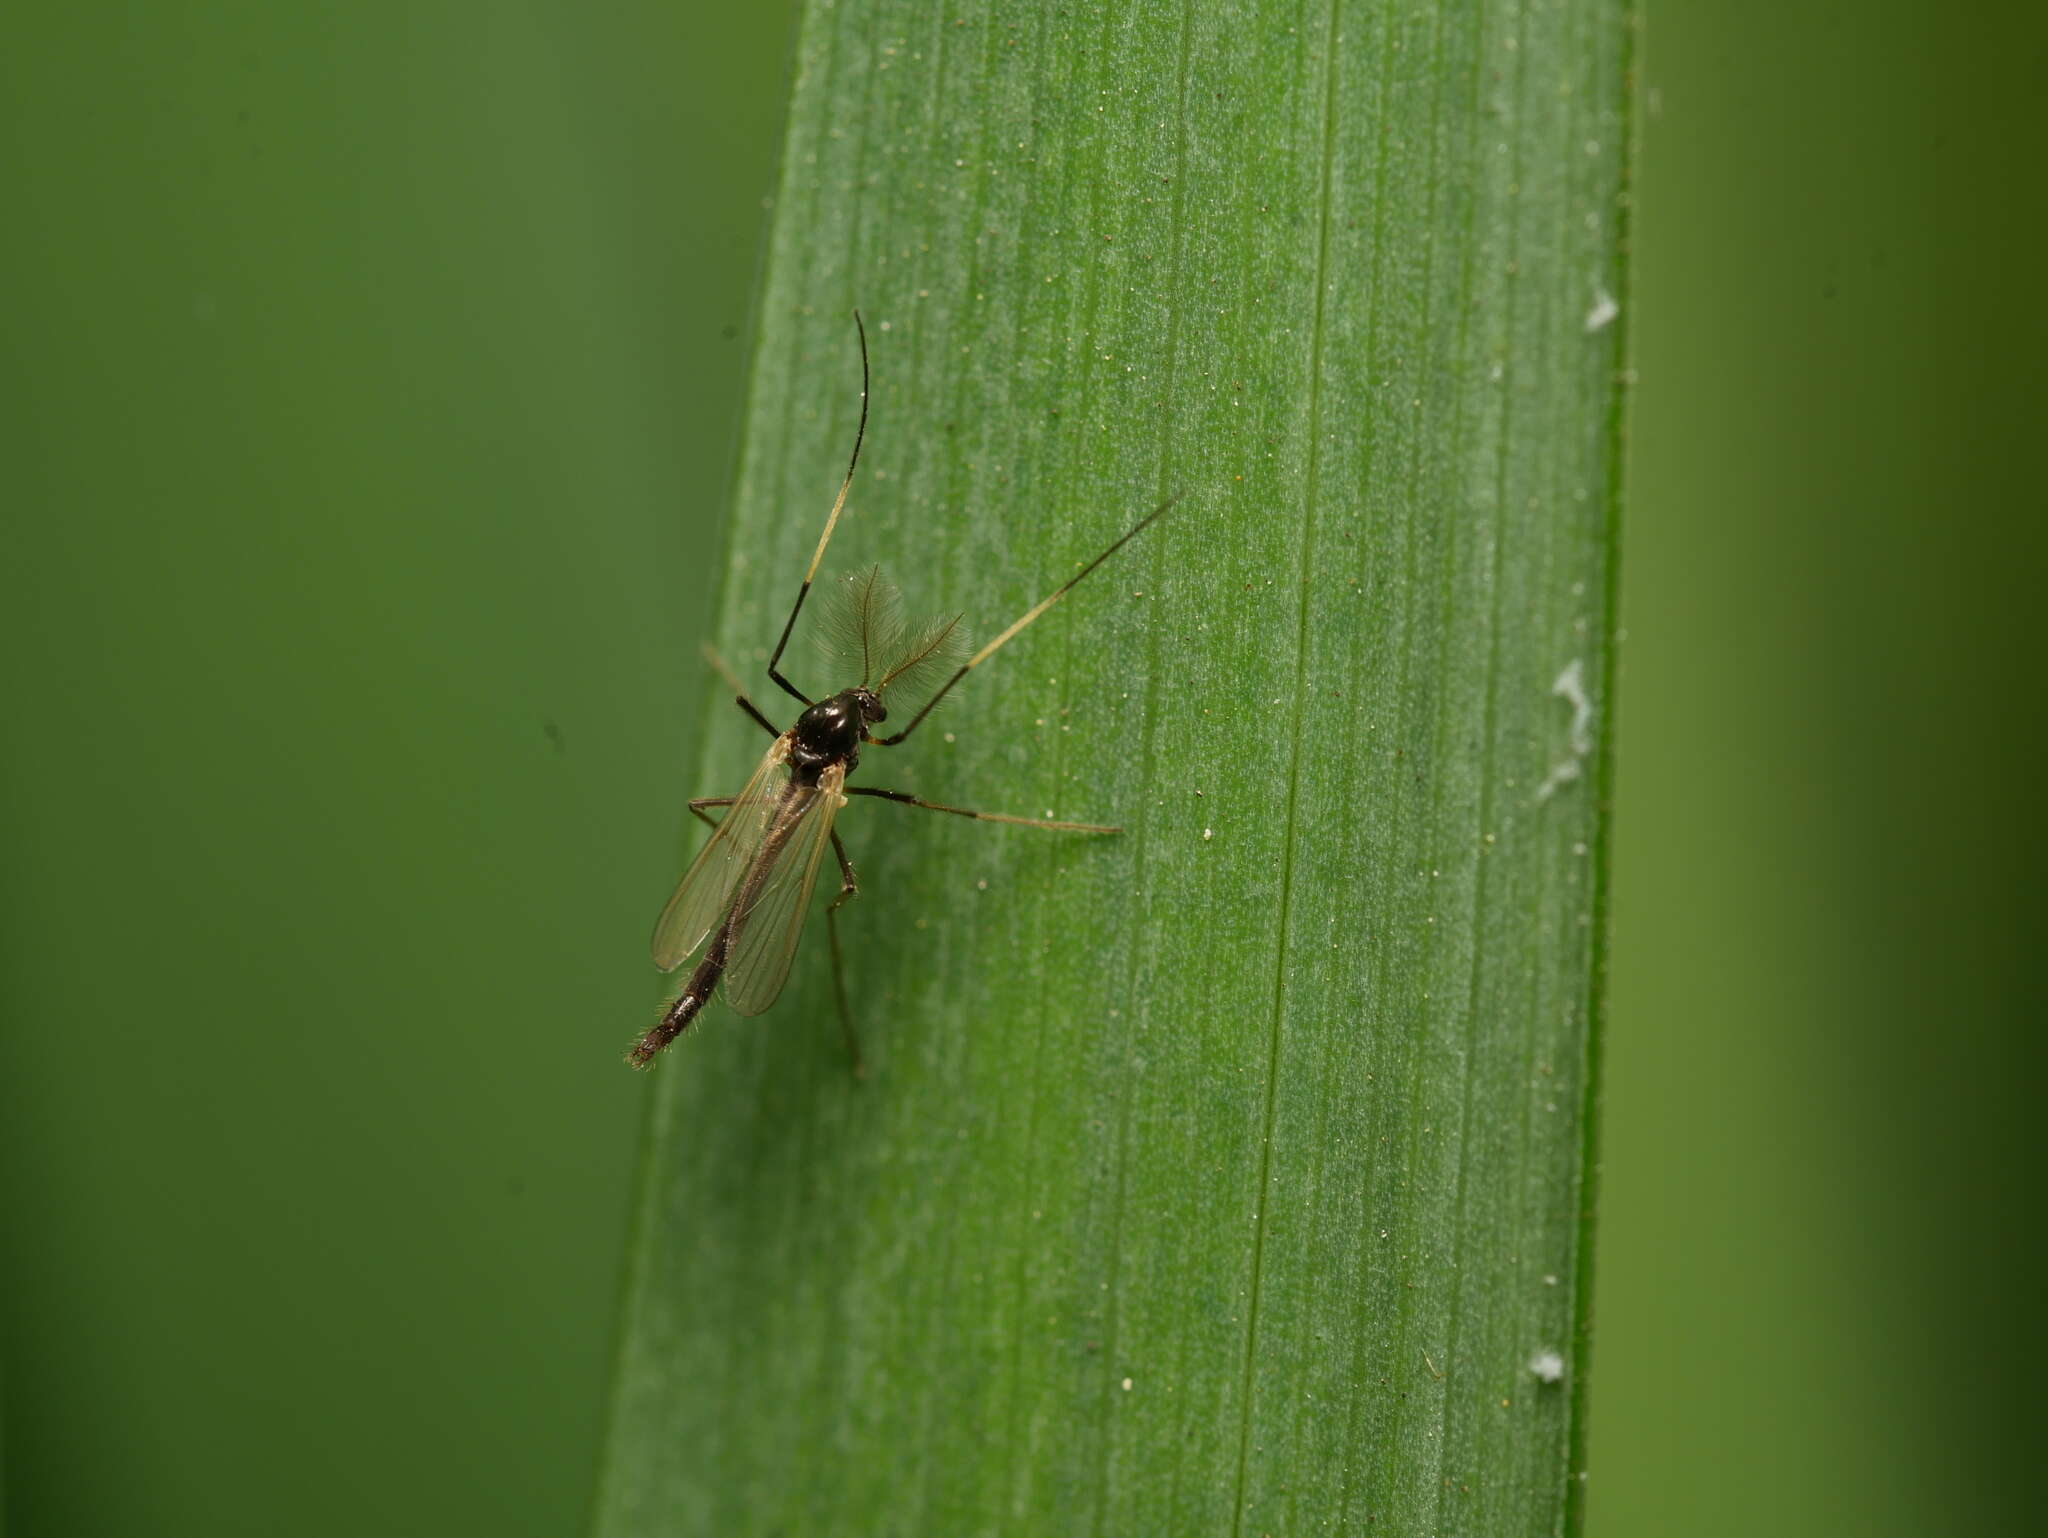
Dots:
{"x": 743, "y": 900}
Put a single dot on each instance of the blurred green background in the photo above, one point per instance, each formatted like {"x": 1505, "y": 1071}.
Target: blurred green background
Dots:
{"x": 370, "y": 383}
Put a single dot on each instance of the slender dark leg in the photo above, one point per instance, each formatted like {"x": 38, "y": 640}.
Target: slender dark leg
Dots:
{"x": 848, "y": 888}
{"x": 1030, "y": 614}
{"x": 697, "y": 807}
{"x": 739, "y": 690}
{"x": 961, "y": 811}
{"x": 747, "y": 705}
{"x": 830, "y": 522}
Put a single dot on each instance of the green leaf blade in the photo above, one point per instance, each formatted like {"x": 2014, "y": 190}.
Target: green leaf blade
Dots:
{"x": 1224, "y": 1176}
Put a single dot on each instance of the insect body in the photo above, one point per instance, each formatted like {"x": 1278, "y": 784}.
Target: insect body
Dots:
{"x": 743, "y": 900}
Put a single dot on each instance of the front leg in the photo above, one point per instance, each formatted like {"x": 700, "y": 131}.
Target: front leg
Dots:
{"x": 739, "y": 690}
{"x": 960, "y": 811}
{"x": 848, "y": 889}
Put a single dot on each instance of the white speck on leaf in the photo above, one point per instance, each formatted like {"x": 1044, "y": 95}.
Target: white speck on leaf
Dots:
{"x": 1571, "y": 688}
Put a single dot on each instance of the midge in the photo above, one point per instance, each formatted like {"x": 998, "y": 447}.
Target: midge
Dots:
{"x": 742, "y": 902}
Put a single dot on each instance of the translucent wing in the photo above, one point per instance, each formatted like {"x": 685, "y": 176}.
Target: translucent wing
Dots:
{"x": 706, "y": 891}
{"x": 766, "y": 931}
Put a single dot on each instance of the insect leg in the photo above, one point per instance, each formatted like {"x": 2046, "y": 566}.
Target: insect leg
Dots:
{"x": 739, "y": 690}
{"x": 697, "y": 807}
{"x": 831, "y": 521}
{"x": 1029, "y": 615}
{"x": 848, "y": 888}
{"x": 961, "y": 811}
